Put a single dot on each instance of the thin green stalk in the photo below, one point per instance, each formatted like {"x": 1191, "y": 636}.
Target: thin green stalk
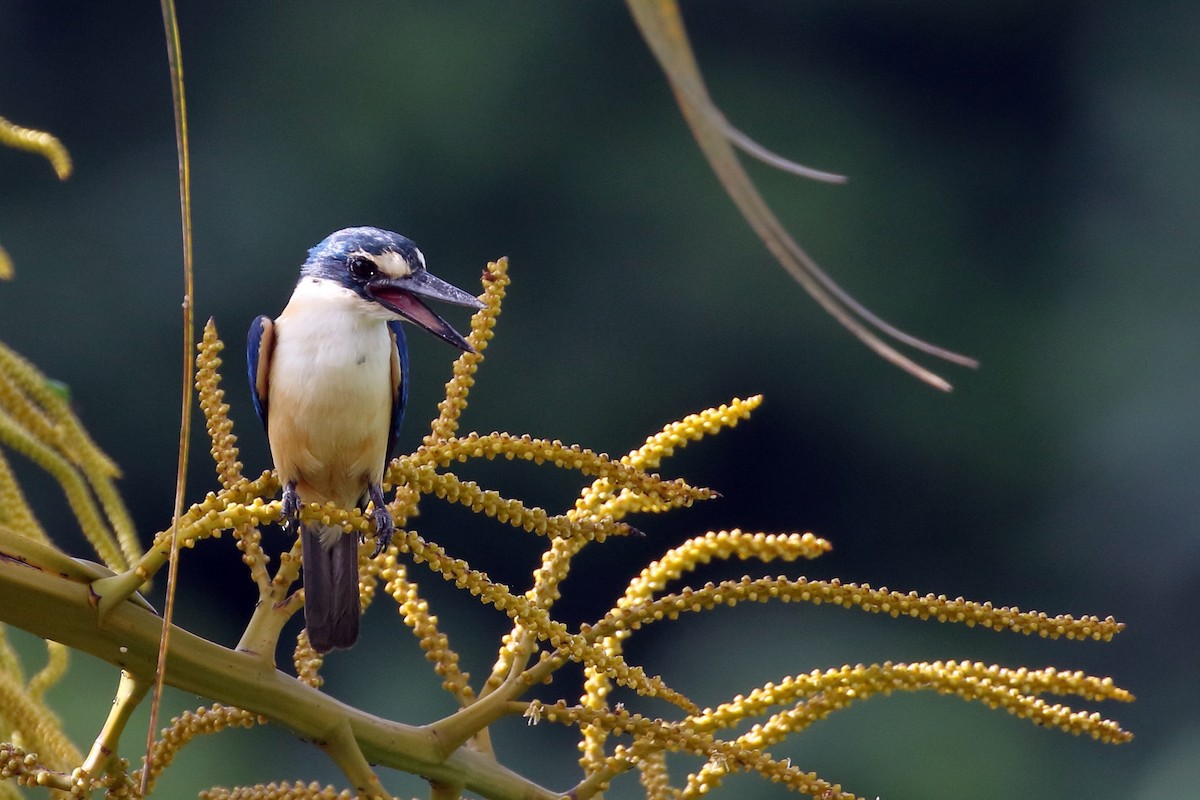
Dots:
{"x": 175, "y": 58}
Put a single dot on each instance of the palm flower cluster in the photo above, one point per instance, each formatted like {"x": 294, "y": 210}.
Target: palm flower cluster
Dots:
{"x": 34, "y": 141}
{"x": 97, "y": 610}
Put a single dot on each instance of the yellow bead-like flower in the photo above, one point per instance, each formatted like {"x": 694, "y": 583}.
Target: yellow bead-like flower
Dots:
{"x": 496, "y": 281}
{"x": 190, "y": 724}
{"x": 279, "y": 791}
{"x": 730, "y": 737}
{"x": 215, "y": 409}
{"x": 45, "y": 144}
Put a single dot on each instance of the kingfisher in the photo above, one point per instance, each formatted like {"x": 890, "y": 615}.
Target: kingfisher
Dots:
{"x": 329, "y": 379}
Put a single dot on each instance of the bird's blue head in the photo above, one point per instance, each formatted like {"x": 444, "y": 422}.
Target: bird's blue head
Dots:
{"x": 387, "y": 269}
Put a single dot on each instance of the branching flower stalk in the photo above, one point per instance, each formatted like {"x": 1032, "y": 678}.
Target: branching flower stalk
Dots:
{"x": 85, "y": 607}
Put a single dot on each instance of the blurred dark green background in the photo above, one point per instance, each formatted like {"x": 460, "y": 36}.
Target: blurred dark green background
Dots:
{"x": 1025, "y": 187}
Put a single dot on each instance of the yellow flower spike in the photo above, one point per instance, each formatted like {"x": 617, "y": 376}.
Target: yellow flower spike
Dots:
{"x": 402, "y": 507}
{"x": 190, "y": 724}
{"x": 971, "y": 680}
{"x": 599, "y": 500}
{"x": 557, "y": 559}
{"x": 651, "y": 735}
{"x": 692, "y": 428}
{"x": 13, "y": 434}
{"x": 541, "y": 451}
{"x": 289, "y": 567}
{"x": 17, "y": 763}
{"x": 114, "y": 509}
{"x": 10, "y": 663}
{"x": 370, "y": 567}
{"x": 495, "y": 281}
{"x": 30, "y": 415}
{"x": 248, "y": 539}
{"x": 40, "y": 142}
{"x": 535, "y": 619}
{"x": 57, "y": 659}
{"x": 719, "y": 545}
{"x": 603, "y": 500}
{"x": 880, "y": 600}
{"x": 308, "y": 662}
{"x": 217, "y": 512}
{"x": 224, "y": 511}
{"x": 36, "y": 726}
{"x": 6, "y": 268}
{"x": 653, "y": 776}
{"x": 297, "y": 790}
{"x": 674, "y": 563}
{"x": 415, "y": 612}
{"x": 15, "y": 512}
{"x": 214, "y": 407}
{"x": 49, "y": 399}
{"x": 556, "y": 563}
{"x": 618, "y": 488}
{"x": 821, "y": 693}
{"x": 622, "y": 620}
{"x": 38, "y": 422}
{"x": 450, "y": 487}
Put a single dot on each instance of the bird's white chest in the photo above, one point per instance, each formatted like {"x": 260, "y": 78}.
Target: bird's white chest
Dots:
{"x": 330, "y": 398}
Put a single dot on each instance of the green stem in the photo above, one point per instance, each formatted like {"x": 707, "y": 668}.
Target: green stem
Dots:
{"x": 59, "y": 609}
{"x": 343, "y": 748}
{"x": 444, "y": 791}
{"x": 130, "y": 692}
{"x": 261, "y": 636}
{"x": 21, "y": 549}
{"x": 455, "y": 730}
{"x": 595, "y": 784}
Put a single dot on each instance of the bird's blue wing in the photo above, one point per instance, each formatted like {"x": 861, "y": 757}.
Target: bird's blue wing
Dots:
{"x": 259, "y": 344}
{"x": 399, "y": 384}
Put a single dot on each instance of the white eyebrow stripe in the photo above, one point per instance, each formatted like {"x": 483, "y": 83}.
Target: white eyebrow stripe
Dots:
{"x": 393, "y": 264}
{"x": 390, "y": 262}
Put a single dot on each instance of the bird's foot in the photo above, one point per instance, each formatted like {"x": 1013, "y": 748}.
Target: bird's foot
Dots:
{"x": 384, "y": 526}
{"x": 289, "y": 515}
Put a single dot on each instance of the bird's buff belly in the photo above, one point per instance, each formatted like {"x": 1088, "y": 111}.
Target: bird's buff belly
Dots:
{"x": 331, "y": 441}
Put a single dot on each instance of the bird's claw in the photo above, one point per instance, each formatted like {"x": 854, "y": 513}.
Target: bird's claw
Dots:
{"x": 289, "y": 513}
{"x": 384, "y": 528}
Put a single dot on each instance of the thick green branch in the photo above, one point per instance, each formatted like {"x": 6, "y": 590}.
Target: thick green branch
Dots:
{"x": 58, "y": 608}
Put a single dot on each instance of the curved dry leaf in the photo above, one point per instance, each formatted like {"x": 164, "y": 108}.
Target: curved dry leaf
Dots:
{"x": 662, "y": 27}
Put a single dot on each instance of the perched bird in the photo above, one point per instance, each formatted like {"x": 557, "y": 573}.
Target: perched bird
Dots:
{"x": 329, "y": 379}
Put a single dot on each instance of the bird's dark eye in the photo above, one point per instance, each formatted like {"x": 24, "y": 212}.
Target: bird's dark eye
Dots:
{"x": 361, "y": 267}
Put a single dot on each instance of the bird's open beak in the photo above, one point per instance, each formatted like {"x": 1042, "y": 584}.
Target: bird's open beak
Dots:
{"x": 403, "y": 296}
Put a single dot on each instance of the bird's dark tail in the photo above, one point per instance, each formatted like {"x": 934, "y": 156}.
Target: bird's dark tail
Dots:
{"x": 331, "y": 608}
